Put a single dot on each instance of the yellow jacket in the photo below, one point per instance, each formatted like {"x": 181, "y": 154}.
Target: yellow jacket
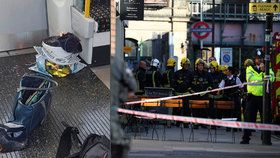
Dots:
{"x": 252, "y": 75}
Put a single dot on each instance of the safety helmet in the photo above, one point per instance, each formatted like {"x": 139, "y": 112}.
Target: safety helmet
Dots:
{"x": 171, "y": 62}
{"x": 155, "y": 63}
{"x": 214, "y": 64}
{"x": 248, "y": 62}
{"x": 199, "y": 61}
{"x": 185, "y": 60}
{"x": 223, "y": 67}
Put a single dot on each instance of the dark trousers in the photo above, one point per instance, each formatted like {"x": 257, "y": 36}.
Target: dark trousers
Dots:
{"x": 254, "y": 105}
{"x": 237, "y": 108}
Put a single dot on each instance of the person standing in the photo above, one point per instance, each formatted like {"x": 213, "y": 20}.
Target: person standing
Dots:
{"x": 242, "y": 76}
{"x": 123, "y": 85}
{"x": 217, "y": 76}
{"x": 168, "y": 75}
{"x": 255, "y": 93}
{"x": 232, "y": 94}
{"x": 153, "y": 75}
{"x": 201, "y": 81}
{"x": 182, "y": 83}
{"x": 140, "y": 76}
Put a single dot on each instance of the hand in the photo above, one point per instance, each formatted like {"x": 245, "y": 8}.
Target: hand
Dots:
{"x": 262, "y": 67}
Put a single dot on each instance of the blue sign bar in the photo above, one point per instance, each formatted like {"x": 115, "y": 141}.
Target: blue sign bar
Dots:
{"x": 201, "y": 30}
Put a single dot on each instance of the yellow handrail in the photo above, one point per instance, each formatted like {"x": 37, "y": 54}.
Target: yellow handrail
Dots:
{"x": 87, "y": 8}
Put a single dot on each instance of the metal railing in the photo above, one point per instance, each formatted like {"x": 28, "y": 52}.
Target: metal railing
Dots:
{"x": 228, "y": 11}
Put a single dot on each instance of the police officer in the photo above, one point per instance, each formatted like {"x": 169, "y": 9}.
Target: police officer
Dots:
{"x": 242, "y": 76}
{"x": 201, "y": 81}
{"x": 153, "y": 75}
{"x": 232, "y": 94}
{"x": 255, "y": 93}
{"x": 182, "y": 83}
{"x": 140, "y": 76}
{"x": 168, "y": 75}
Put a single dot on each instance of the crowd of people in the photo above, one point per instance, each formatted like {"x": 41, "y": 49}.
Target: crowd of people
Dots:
{"x": 208, "y": 76}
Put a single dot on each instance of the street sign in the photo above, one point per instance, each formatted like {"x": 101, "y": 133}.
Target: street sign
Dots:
{"x": 132, "y": 9}
{"x": 199, "y": 28}
{"x": 264, "y": 8}
{"x": 226, "y": 54}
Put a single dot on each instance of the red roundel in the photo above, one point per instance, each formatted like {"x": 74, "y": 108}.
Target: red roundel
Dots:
{"x": 198, "y": 25}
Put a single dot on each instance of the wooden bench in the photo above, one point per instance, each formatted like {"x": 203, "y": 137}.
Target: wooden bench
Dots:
{"x": 198, "y": 104}
{"x": 172, "y": 103}
{"x": 150, "y": 104}
{"x": 226, "y": 105}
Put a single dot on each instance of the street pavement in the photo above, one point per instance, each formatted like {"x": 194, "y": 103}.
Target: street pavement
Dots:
{"x": 200, "y": 147}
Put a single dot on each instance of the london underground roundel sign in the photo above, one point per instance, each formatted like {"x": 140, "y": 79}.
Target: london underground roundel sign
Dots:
{"x": 201, "y": 30}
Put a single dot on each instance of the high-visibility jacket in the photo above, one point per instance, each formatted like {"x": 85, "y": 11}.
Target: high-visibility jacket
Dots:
{"x": 253, "y": 75}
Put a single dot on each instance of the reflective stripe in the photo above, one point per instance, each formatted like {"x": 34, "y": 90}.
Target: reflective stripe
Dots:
{"x": 153, "y": 78}
{"x": 138, "y": 83}
{"x": 249, "y": 79}
{"x": 168, "y": 81}
{"x": 255, "y": 84}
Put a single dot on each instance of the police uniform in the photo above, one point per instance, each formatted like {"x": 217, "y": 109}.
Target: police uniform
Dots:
{"x": 232, "y": 94}
{"x": 242, "y": 76}
{"x": 255, "y": 97}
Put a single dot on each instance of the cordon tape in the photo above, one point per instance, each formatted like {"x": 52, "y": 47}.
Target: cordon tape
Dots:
{"x": 207, "y": 121}
{"x": 216, "y": 122}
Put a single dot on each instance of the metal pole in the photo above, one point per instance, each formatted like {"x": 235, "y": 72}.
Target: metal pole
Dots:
{"x": 266, "y": 135}
{"x": 171, "y": 51}
{"x": 213, "y": 28}
{"x": 87, "y": 8}
{"x": 201, "y": 19}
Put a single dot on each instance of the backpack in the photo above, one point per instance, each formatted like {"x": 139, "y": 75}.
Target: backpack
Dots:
{"x": 94, "y": 146}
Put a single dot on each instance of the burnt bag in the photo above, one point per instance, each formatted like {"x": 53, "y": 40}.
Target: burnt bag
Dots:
{"x": 31, "y": 106}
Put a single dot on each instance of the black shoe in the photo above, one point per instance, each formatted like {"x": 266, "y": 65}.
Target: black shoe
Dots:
{"x": 244, "y": 142}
